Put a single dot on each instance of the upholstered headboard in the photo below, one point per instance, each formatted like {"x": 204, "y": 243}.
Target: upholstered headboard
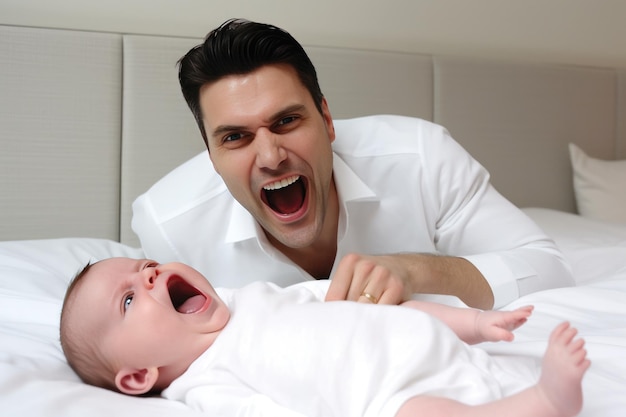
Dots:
{"x": 89, "y": 120}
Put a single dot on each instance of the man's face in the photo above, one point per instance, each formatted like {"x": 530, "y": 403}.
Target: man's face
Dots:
{"x": 148, "y": 315}
{"x": 272, "y": 148}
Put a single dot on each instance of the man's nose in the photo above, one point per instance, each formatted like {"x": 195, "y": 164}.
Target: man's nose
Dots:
{"x": 269, "y": 149}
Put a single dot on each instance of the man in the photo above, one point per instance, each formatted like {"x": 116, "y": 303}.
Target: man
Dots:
{"x": 384, "y": 206}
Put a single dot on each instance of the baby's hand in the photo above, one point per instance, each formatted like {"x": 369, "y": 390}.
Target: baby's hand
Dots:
{"x": 494, "y": 326}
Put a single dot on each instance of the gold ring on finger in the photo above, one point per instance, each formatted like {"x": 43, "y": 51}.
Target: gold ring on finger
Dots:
{"x": 370, "y": 297}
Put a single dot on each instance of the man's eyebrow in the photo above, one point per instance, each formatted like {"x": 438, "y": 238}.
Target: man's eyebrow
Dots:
{"x": 287, "y": 110}
{"x": 220, "y": 130}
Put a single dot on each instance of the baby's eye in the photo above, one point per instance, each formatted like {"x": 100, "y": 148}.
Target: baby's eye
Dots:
{"x": 150, "y": 264}
{"x": 127, "y": 300}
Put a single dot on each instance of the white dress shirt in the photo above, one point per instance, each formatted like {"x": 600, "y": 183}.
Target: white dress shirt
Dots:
{"x": 404, "y": 185}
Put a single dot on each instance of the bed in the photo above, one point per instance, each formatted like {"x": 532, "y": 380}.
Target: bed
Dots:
{"x": 90, "y": 120}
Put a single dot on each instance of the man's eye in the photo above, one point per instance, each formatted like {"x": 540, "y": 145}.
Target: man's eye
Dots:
{"x": 233, "y": 137}
{"x": 286, "y": 120}
{"x": 127, "y": 300}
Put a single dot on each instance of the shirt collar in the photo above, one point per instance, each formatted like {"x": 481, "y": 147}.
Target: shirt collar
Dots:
{"x": 241, "y": 225}
{"x": 350, "y": 188}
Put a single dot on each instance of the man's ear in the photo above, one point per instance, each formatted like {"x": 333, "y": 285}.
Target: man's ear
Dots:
{"x": 133, "y": 381}
{"x": 328, "y": 120}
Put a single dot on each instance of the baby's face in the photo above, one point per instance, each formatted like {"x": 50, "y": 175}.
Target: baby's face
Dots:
{"x": 148, "y": 315}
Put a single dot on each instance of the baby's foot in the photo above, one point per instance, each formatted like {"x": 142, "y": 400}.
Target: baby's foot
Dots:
{"x": 564, "y": 365}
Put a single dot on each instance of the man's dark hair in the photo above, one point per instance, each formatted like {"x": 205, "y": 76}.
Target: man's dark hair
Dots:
{"x": 238, "y": 47}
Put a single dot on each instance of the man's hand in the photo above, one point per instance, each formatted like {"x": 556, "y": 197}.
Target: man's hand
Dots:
{"x": 370, "y": 279}
{"x": 392, "y": 279}
{"x": 495, "y": 326}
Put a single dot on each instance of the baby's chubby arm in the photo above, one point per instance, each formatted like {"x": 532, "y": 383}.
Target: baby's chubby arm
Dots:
{"x": 473, "y": 325}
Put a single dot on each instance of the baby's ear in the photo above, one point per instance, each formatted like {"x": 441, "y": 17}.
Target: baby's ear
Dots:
{"x": 134, "y": 381}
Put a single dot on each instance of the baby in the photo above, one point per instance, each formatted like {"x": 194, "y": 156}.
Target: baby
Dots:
{"x": 139, "y": 327}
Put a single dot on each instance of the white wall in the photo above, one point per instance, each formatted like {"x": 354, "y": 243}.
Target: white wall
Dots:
{"x": 585, "y": 32}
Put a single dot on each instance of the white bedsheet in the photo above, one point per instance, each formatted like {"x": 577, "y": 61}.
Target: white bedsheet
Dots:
{"x": 36, "y": 381}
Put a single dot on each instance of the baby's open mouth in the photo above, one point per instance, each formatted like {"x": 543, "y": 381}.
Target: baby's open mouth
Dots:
{"x": 185, "y": 298}
{"x": 286, "y": 196}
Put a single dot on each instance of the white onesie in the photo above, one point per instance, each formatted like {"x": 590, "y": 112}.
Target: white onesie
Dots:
{"x": 285, "y": 353}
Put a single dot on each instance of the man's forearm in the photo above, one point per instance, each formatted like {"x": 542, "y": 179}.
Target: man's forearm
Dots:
{"x": 434, "y": 274}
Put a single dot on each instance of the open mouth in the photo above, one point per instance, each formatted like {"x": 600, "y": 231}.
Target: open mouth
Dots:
{"x": 286, "y": 196}
{"x": 186, "y": 299}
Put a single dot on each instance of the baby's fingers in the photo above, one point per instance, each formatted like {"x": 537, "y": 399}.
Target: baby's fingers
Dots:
{"x": 518, "y": 317}
{"x": 525, "y": 311}
{"x": 499, "y": 334}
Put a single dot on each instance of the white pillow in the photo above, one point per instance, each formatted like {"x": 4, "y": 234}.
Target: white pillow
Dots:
{"x": 596, "y": 250}
{"x": 599, "y": 186}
